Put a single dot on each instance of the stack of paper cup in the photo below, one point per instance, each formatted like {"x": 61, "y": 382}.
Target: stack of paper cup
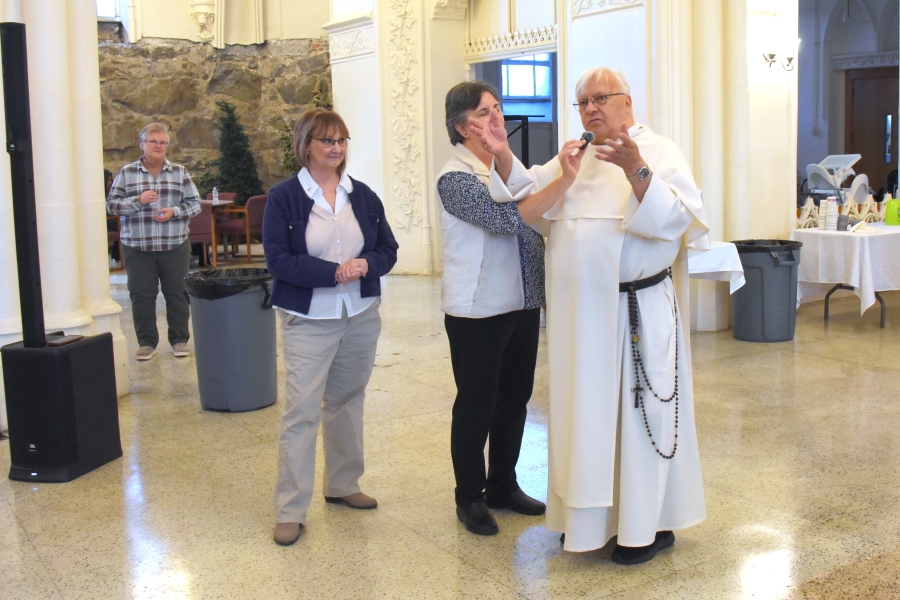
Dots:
{"x": 831, "y": 215}
{"x": 823, "y": 208}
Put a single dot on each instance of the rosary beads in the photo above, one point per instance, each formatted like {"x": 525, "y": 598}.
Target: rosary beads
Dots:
{"x": 639, "y": 372}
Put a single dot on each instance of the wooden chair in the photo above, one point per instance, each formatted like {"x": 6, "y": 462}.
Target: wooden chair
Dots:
{"x": 202, "y": 230}
{"x": 243, "y": 221}
{"x": 113, "y": 236}
{"x": 223, "y": 197}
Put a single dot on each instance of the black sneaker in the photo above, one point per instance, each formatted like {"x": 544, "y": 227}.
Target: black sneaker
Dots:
{"x": 477, "y": 518}
{"x": 624, "y": 555}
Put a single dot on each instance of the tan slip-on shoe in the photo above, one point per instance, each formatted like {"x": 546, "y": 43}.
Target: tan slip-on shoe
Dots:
{"x": 145, "y": 353}
{"x": 358, "y": 500}
{"x": 181, "y": 350}
{"x": 287, "y": 533}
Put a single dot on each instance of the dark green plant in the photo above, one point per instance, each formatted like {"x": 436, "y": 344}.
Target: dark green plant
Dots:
{"x": 288, "y": 160}
{"x": 319, "y": 98}
{"x": 205, "y": 176}
{"x": 236, "y": 165}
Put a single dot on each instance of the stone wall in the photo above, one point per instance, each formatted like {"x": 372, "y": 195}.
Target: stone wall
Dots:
{"x": 177, "y": 82}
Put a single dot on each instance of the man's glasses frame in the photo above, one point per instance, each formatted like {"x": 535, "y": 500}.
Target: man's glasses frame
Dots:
{"x": 159, "y": 143}
{"x": 598, "y": 100}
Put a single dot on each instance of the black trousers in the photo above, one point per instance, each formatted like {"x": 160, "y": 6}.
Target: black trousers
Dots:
{"x": 493, "y": 365}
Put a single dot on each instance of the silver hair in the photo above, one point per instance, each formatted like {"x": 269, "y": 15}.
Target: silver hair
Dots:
{"x": 598, "y": 73}
{"x": 153, "y": 128}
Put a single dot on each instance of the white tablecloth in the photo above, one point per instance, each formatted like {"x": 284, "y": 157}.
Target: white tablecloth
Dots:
{"x": 720, "y": 263}
{"x": 868, "y": 262}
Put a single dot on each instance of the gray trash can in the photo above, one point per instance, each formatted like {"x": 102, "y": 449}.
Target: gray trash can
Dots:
{"x": 765, "y": 308}
{"x": 234, "y": 338}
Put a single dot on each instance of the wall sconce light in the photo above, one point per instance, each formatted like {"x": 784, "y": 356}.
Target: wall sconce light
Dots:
{"x": 786, "y": 63}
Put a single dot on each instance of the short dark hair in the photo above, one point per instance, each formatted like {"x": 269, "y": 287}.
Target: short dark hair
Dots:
{"x": 462, "y": 98}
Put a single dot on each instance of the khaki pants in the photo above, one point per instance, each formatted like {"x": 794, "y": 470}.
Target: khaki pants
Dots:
{"x": 328, "y": 364}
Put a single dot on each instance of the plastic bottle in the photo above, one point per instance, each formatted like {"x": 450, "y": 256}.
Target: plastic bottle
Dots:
{"x": 215, "y": 195}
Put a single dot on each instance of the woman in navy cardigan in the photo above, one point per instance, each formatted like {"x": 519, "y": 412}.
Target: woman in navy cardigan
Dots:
{"x": 327, "y": 243}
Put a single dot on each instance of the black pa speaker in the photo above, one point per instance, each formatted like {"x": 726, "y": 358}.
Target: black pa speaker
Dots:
{"x": 62, "y": 408}
{"x": 16, "y": 105}
{"x": 60, "y": 399}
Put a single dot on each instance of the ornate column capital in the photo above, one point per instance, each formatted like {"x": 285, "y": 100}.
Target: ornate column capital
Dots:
{"x": 351, "y": 38}
{"x": 204, "y": 14}
{"x": 450, "y": 9}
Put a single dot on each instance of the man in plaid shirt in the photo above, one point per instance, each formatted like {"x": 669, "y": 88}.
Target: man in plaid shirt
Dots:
{"x": 156, "y": 200}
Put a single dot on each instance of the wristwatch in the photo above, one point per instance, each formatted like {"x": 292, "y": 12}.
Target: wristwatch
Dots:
{"x": 642, "y": 174}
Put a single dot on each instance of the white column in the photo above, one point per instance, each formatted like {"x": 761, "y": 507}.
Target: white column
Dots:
{"x": 670, "y": 101}
{"x": 352, "y": 43}
{"x": 710, "y": 300}
{"x": 709, "y": 127}
{"x": 383, "y": 52}
{"x": 55, "y": 180}
{"x": 88, "y": 190}
{"x": 738, "y": 194}
{"x": 445, "y": 67}
{"x": 402, "y": 60}
{"x": 131, "y": 14}
{"x": 259, "y": 22}
{"x": 12, "y": 11}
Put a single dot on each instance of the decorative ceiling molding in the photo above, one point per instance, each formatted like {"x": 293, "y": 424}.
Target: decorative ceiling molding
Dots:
{"x": 512, "y": 44}
{"x": 581, "y": 8}
{"x": 843, "y": 62}
{"x": 350, "y": 23}
{"x": 450, "y": 9}
{"x": 351, "y": 45}
{"x": 351, "y": 38}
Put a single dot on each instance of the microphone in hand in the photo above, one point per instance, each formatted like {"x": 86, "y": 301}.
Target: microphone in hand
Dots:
{"x": 588, "y": 137}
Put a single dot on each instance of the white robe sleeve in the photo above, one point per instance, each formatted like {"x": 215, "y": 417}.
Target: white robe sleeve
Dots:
{"x": 518, "y": 185}
{"x": 661, "y": 215}
{"x": 672, "y": 206}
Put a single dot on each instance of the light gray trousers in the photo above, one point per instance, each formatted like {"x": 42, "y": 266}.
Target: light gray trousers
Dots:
{"x": 328, "y": 364}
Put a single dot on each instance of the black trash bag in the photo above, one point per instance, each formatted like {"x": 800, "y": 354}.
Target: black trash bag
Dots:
{"x": 766, "y": 245}
{"x": 221, "y": 283}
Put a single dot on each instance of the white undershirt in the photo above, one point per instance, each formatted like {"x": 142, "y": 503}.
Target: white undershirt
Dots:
{"x": 333, "y": 235}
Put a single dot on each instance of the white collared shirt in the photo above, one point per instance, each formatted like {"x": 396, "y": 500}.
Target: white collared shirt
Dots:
{"x": 333, "y": 235}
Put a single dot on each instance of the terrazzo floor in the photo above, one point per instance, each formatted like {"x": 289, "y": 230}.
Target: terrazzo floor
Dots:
{"x": 799, "y": 443}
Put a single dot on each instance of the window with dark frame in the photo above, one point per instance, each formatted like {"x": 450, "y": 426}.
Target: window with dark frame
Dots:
{"x": 527, "y": 78}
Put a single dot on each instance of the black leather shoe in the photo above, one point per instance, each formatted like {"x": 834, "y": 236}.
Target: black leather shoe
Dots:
{"x": 624, "y": 555}
{"x": 477, "y": 518}
{"x": 517, "y": 501}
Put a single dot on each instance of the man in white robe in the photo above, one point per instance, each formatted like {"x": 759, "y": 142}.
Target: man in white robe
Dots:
{"x": 611, "y": 469}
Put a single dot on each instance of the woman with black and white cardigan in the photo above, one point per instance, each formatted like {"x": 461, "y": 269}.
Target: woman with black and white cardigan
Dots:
{"x": 492, "y": 291}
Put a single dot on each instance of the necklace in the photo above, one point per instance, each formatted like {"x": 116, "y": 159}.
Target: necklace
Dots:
{"x": 640, "y": 373}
